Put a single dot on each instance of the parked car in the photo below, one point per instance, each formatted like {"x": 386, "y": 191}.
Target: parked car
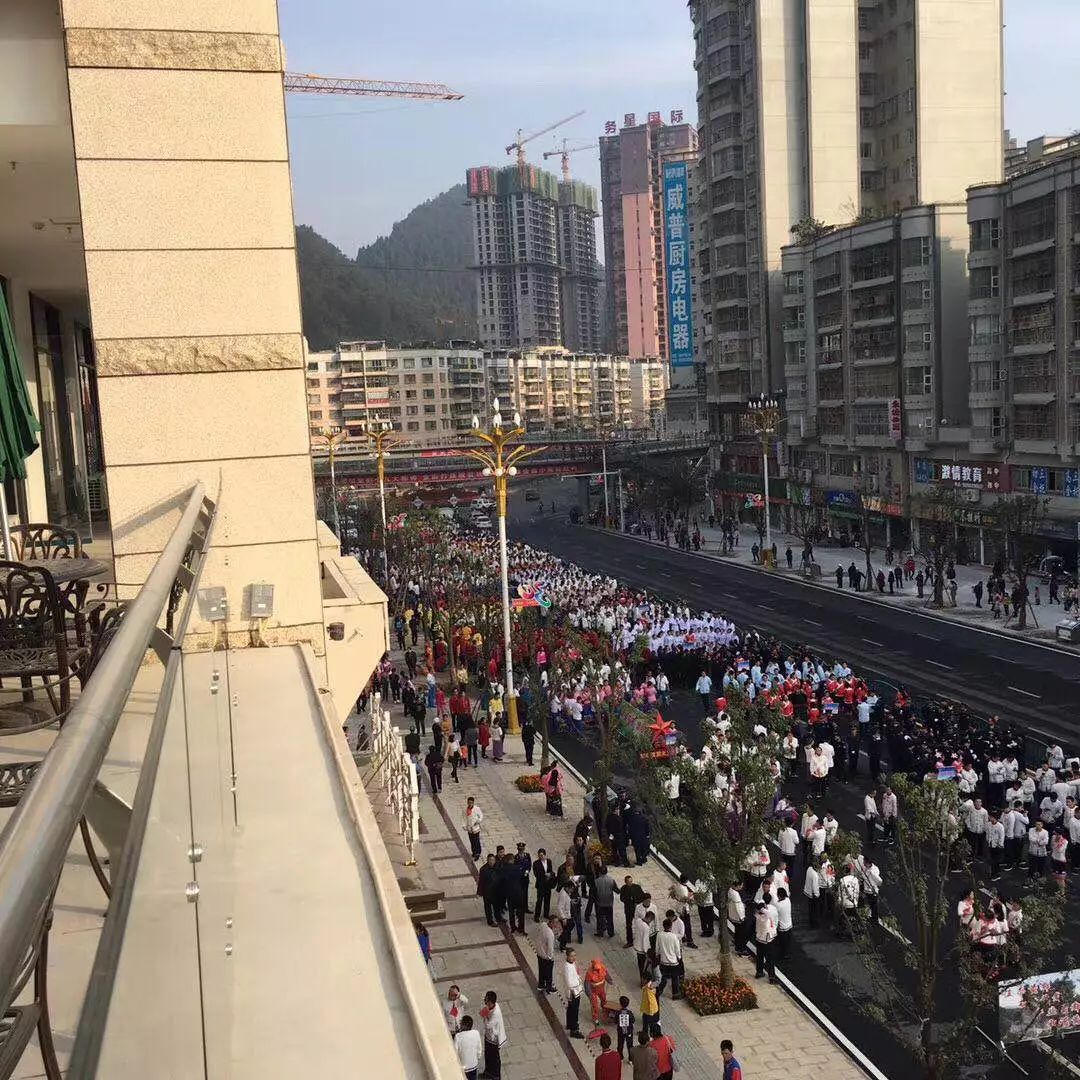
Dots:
{"x": 531, "y": 496}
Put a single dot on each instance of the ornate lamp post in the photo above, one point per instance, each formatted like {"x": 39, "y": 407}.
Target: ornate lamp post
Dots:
{"x": 333, "y": 437}
{"x": 501, "y": 452}
{"x": 380, "y": 434}
{"x": 765, "y": 416}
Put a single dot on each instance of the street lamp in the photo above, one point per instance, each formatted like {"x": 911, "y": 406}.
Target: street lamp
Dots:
{"x": 765, "y": 417}
{"x": 333, "y": 437}
{"x": 380, "y": 434}
{"x": 503, "y": 450}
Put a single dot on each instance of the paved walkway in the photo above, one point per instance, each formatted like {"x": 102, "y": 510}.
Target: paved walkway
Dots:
{"x": 829, "y": 557}
{"x": 479, "y": 957}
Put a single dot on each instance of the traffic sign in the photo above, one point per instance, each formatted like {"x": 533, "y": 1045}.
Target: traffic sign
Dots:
{"x": 453, "y": 500}
{"x": 418, "y": 502}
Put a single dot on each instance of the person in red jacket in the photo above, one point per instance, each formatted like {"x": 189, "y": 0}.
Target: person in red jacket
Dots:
{"x": 608, "y": 1064}
{"x": 664, "y": 1045}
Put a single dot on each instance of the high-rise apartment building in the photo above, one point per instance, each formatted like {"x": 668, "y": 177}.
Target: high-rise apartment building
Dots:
{"x": 1025, "y": 316}
{"x": 631, "y": 184}
{"x": 534, "y": 249}
{"x": 832, "y": 110}
{"x": 579, "y": 282}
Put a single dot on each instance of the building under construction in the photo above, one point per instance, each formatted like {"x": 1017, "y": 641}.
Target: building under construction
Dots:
{"x": 534, "y": 248}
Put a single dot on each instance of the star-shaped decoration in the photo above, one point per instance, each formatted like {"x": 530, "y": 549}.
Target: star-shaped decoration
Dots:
{"x": 661, "y": 729}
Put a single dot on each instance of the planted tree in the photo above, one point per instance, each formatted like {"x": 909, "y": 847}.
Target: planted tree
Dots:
{"x": 937, "y": 536}
{"x": 1019, "y": 519}
{"x": 709, "y": 831}
{"x": 907, "y": 994}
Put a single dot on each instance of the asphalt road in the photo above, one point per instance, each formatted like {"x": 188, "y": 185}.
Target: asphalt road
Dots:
{"x": 992, "y": 674}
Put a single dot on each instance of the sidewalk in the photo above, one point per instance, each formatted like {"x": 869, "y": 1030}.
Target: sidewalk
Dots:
{"x": 829, "y": 557}
{"x": 479, "y": 957}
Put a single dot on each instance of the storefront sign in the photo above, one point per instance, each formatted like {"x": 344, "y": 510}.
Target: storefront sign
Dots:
{"x": 876, "y": 505}
{"x": 989, "y": 477}
{"x": 842, "y": 499}
{"x": 677, "y": 261}
{"x": 1040, "y": 479}
{"x": 1072, "y": 483}
{"x": 896, "y": 415}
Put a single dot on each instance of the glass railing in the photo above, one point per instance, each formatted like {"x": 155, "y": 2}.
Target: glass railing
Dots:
{"x": 67, "y": 793}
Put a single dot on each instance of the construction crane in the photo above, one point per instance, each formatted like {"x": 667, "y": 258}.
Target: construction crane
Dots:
{"x": 565, "y": 153}
{"x": 296, "y": 83}
{"x": 519, "y": 143}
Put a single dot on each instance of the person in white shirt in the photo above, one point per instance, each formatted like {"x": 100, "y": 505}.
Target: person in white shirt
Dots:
{"x": 574, "y": 990}
{"x": 788, "y": 842}
{"x": 967, "y": 779}
{"x": 1051, "y": 809}
{"x": 870, "y": 816}
{"x": 847, "y": 895}
{"x": 494, "y": 1035}
{"x": 473, "y": 819}
{"x": 1027, "y": 789}
{"x": 765, "y": 929}
{"x": 819, "y": 770}
{"x": 782, "y": 904}
{"x": 1072, "y": 823}
{"x": 1038, "y": 843}
{"x": 995, "y": 844}
{"x": 976, "y": 819}
{"x": 469, "y": 1047}
{"x": 454, "y": 1008}
{"x": 669, "y": 957}
{"x": 1015, "y": 833}
{"x": 736, "y": 912}
{"x": 671, "y": 785}
{"x": 965, "y": 909}
{"x": 818, "y": 838}
{"x": 545, "y": 956}
{"x": 703, "y": 897}
{"x": 642, "y": 935}
{"x": 889, "y": 811}
{"x": 812, "y": 892}
{"x": 806, "y": 826}
{"x": 832, "y": 827}
{"x": 869, "y": 884}
{"x": 789, "y": 751}
{"x": 1013, "y": 794}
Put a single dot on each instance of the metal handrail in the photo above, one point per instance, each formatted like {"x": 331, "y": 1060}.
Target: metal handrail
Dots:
{"x": 35, "y": 840}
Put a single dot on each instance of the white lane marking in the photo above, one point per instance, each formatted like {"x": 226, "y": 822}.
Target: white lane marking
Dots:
{"x": 812, "y": 622}
{"x": 876, "y": 643}
{"x": 1026, "y": 693}
{"x": 697, "y": 584}
{"x": 1003, "y": 659}
{"x": 929, "y": 638}
{"x": 936, "y": 664}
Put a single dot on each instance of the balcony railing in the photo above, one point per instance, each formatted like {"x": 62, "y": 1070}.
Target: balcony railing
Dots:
{"x": 34, "y": 844}
{"x": 1025, "y": 429}
{"x": 1032, "y": 335}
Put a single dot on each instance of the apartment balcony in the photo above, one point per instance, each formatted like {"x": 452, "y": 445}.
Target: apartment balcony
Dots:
{"x": 1032, "y": 340}
{"x": 985, "y": 440}
{"x": 826, "y": 284}
{"x": 865, "y": 277}
{"x": 876, "y": 315}
{"x": 794, "y": 334}
{"x": 986, "y": 393}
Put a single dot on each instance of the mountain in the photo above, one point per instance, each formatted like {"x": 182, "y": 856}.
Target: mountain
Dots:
{"x": 412, "y": 285}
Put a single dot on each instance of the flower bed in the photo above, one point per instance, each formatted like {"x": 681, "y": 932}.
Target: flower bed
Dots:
{"x": 529, "y": 783}
{"x": 707, "y": 997}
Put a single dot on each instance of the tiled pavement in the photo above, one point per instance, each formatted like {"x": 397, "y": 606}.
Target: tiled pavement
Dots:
{"x": 479, "y": 957}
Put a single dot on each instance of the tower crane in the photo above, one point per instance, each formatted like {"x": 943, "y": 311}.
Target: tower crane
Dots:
{"x": 519, "y": 143}
{"x": 296, "y": 83}
{"x": 565, "y": 153}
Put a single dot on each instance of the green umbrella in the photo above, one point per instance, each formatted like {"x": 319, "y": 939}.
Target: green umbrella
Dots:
{"x": 19, "y": 426}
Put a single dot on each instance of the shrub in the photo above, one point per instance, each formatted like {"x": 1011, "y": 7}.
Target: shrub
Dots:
{"x": 529, "y": 783}
{"x": 707, "y": 996}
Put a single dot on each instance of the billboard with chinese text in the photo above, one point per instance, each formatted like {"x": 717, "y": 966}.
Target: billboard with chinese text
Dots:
{"x": 676, "y": 194}
{"x": 1040, "y": 1007}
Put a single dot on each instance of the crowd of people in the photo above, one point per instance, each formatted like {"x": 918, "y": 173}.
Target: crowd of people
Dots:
{"x": 838, "y": 728}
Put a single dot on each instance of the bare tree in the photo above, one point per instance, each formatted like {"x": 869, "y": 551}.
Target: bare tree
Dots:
{"x": 937, "y": 535}
{"x": 1019, "y": 519}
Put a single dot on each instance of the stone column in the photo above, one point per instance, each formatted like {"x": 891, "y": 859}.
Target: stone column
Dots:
{"x": 178, "y": 116}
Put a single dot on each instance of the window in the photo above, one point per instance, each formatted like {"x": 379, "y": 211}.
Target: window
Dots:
{"x": 313, "y": 399}
{"x": 431, "y": 425}
{"x": 429, "y": 410}
{"x": 985, "y": 234}
{"x": 410, "y": 395}
{"x": 984, "y": 330}
{"x": 866, "y": 150}
{"x": 429, "y": 395}
{"x": 413, "y": 425}
{"x": 313, "y": 365}
{"x": 313, "y": 384}
{"x": 427, "y": 361}
{"x": 985, "y": 283}
{"x": 409, "y": 380}
{"x": 411, "y": 410}
{"x": 917, "y": 251}
{"x": 315, "y": 414}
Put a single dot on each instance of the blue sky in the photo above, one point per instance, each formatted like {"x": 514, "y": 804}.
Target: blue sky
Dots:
{"x": 360, "y": 164}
